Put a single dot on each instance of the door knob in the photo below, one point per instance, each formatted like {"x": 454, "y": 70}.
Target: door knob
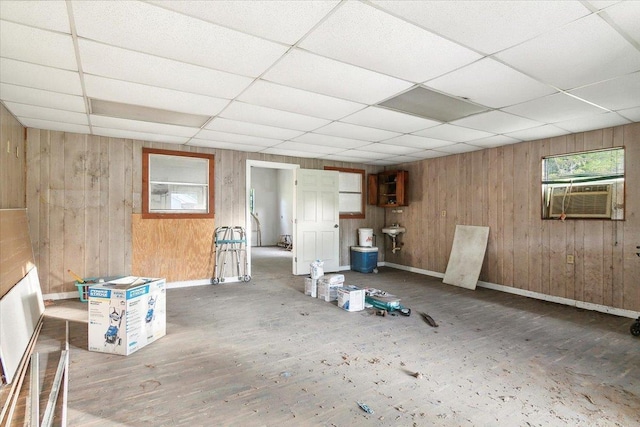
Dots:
{"x": 335, "y": 226}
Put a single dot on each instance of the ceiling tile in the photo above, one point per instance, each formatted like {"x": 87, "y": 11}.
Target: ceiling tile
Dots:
{"x": 460, "y": 147}
{"x": 37, "y": 46}
{"x": 50, "y": 15}
{"x": 142, "y": 136}
{"x": 224, "y": 145}
{"x": 121, "y": 64}
{"x": 404, "y": 159}
{"x": 453, "y": 133}
{"x": 497, "y": 122}
{"x": 252, "y": 129}
{"x": 382, "y": 118}
{"x": 580, "y": 53}
{"x": 428, "y": 154}
{"x": 234, "y": 138}
{"x": 615, "y": 94}
{"x": 147, "y": 28}
{"x": 150, "y": 96}
{"x": 41, "y": 98}
{"x": 596, "y": 121}
{"x": 554, "y": 108}
{"x": 487, "y": 26}
{"x": 314, "y": 73}
{"x": 540, "y": 132}
{"x": 626, "y": 16}
{"x": 394, "y": 149}
{"x": 39, "y": 77}
{"x": 282, "y": 21}
{"x": 140, "y": 126}
{"x": 330, "y": 141}
{"x": 632, "y": 114}
{"x": 277, "y": 151}
{"x": 298, "y": 101}
{"x": 342, "y": 158}
{"x": 361, "y": 154}
{"x": 53, "y": 125}
{"x": 270, "y": 117}
{"x": 365, "y": 36}
{"x": 43, "y": 113}
{"x": 490, "y": 83}
{"x": 347, "y": 130}
{"x": 418, "y": 142}
{"x": 494, "y": 141}
{"x": 310, "y": 148}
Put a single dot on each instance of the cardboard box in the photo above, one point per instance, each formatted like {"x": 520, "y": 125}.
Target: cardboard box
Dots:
{"x": 327, "y": 291}
{"x": 311, "y": 287}
{"x": 126, "y": 314}
{"x": 350, "y": 298}
{"x": 333, "y": 279}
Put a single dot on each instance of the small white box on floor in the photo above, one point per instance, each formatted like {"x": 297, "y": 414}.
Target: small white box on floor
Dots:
{"x": 333, "y": 279}
{"x": 350, "y": 298}
{"x": 126, "y": 314}
{"x": 311, "y": 287}
{"x": 327, "y": 291}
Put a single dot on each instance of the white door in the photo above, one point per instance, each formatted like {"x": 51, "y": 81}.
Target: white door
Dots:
{"x": 317, "y": 220}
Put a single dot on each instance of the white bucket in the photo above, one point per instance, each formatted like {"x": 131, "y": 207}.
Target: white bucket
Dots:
{"x": 365, "y": 237}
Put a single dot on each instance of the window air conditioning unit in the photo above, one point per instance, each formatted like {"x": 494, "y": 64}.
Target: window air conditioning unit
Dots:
{"x": 581, "y": 201}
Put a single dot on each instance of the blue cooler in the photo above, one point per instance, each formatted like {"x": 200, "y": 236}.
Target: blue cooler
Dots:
{"x": 364, "y": 258}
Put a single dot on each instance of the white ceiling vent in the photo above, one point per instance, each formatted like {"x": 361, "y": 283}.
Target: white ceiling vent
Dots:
{"x": 432, "y": 105}
{"x": 146, "y": 114}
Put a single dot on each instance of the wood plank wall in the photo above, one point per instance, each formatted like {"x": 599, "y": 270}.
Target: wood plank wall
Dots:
{"x": 12, "y": 167}
{"x": 84, "y": 197}
{"x": 500, "y": 188}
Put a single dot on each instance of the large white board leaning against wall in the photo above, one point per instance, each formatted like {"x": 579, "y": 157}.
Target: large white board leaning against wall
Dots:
{"x": 467, "y": 254}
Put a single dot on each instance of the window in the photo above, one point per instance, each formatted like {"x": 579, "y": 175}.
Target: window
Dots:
{"x": 176, "y": 184}
{"x": 351, "y": 192}
{"x": 584, "y": 185}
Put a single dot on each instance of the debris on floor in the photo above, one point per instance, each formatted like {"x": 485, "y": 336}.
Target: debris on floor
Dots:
{"x": 365, "y": 407}
{"x": 429, "y": 320}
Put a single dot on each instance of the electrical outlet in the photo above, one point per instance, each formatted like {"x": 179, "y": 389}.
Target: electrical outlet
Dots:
{"x": 570, "y": 259}
{"x": 443, "y": 213}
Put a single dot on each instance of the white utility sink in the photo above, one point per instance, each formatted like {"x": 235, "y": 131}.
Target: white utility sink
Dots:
{"x": 394, "y": 230}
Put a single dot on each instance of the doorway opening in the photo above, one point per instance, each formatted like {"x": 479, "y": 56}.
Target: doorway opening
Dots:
{"x": 270, "y": 213}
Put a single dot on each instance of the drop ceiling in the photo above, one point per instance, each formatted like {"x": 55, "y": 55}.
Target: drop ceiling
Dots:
{"x": 373, "y": 82}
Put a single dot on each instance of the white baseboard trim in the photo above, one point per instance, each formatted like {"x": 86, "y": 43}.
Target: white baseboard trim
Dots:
{"x": 61, "y": 295}
{"x": 530, "y": 294}
{"x": 190, "y": 283}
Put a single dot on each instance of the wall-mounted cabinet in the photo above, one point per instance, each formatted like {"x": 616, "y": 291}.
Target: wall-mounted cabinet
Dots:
{"x": 388, "y": 189}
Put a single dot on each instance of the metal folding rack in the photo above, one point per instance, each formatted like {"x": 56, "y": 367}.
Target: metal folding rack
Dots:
{"x": 230, "y": 247}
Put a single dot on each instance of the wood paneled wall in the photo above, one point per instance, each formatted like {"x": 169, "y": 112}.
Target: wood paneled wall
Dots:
{"x": 500, "y": 188}
{"x": 12, "y": 162}
{"x": 84, "y": 197}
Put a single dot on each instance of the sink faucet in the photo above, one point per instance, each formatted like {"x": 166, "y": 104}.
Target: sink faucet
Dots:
{"x": 395, "y": 224}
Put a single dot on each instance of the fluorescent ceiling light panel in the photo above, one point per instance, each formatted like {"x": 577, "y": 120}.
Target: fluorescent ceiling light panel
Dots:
{"x": 330, "y": 141}
{"x": 121, "y": 64}
{"x": 382, "y": 118}
{"x": 41, "y": 98}
{"x": 453, "y": 133}
{"x": 252, "y": 129}
{"x": 497, "y": 122}
{"x": 143, "y": 126}
{"x": 271, "y": 117}
{"x": 487, "y": 26}
{"x": 147, "y": 28}
{"x": 282, "y": 21}
{"x": 616, "y": 94}
{"x": 40, "y": 77}
{"x": 490, "y": 83}
{"x": 37, "y": 46}
{"x": 346, "y": 130}
{"x": 43, "y": 113}
{"x": 57, "y": 126}
{"x": 145, "y": 114}
{"x": 418, "y": 142}
{"x": 315, "y": 73}
{"x": 362, "y": 35}
{"x": 540, "y": 132}
{"x": 151, "y": 96}
{"x": 49, "y": 15}
{"x": 583, "y": 52}
{"x": 142, "y": 136}
{"x": 554, "y": 108}
{"x": 597, "y": 121}
{"x": 234, "y": 138}
{"x": 432, "y": 105}
{"x": 298, "y": 101}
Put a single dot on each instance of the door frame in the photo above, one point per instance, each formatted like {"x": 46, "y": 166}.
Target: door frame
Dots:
{"x": 249, "y": 221}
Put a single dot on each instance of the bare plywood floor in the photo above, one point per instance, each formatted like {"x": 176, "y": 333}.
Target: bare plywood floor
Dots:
{"x": 263, "y": 353}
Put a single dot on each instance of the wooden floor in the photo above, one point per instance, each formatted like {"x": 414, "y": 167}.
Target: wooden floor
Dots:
{"x": 264, "y": 354}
